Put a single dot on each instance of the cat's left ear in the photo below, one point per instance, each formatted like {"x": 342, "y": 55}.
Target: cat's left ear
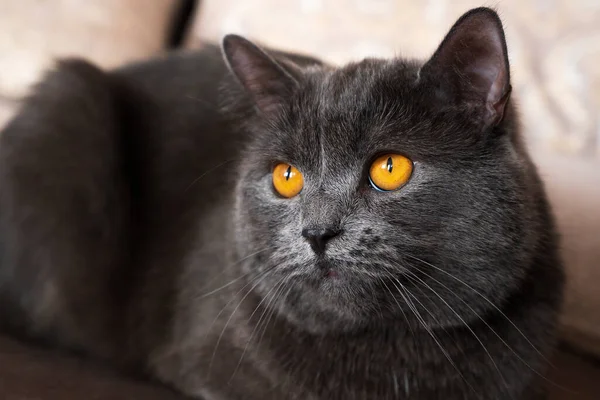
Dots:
{"x": 267, "y": 81}
{"x": 470, "y": 67}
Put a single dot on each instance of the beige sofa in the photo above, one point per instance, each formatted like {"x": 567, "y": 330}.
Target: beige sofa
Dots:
{"x": 109, "y": 32}
{"x": 554, "y": 50}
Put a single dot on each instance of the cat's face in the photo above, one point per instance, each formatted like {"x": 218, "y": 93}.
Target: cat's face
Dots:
{"x": 440, "y": 249}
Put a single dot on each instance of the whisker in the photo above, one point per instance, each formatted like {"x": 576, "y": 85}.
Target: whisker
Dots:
{"x": 265, "y": 297}
{"x": 416, "y": 299}
{"x": 272, "y": 312}
{"x": 258, "y": 280}
{"x": 202, "y": 101}
{"x": 378, "y": 304}
{"x": 234, "y": 280}
{"x": 413, "y": 308}
{"x": 484, "y": 298}
{"x": 501, "y": 339}
{"x": 206, "y": 173}
{"x": 400, "y": 307}
{"x": 414, "y": 276}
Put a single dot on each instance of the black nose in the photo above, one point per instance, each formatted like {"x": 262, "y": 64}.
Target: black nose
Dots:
{"x": 318, "y": 237}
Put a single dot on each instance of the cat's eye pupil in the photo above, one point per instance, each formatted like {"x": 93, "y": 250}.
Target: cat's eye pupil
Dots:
{"x": 390, "y": 165}
{"x": 288, "y": 173}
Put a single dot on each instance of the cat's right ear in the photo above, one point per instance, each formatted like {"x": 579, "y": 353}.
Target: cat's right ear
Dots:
{"x": 267, "y": 82}
{"x": 470, "y": 67}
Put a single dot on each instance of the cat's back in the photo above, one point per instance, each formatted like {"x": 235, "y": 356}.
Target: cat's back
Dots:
{"x": 173, "y": 127}
{"x": 171, "y": 104}
{"x": 180, "y": 83}
{"x": 101, "y": 172}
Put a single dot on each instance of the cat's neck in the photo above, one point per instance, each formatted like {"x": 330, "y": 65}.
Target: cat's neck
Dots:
{"x": 380, "y": 358}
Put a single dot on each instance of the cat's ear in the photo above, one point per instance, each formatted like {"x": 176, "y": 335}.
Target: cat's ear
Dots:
{"x": 471, "y": 67}
{"x": 267, "y": 81}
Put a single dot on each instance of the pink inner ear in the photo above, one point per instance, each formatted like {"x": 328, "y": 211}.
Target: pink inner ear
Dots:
{"x": 492, "y": 71}
{"x": 489, "y": 76}
{"x": 497, "y": 88}
{"x": 479, "y": 52}
{"x": 497, "y": 73}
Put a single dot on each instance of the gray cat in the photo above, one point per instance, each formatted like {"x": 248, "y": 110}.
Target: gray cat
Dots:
{"x": 271, "y": 227}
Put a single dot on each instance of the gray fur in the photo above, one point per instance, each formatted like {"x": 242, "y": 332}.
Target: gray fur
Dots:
{"x": 139, "y": 225}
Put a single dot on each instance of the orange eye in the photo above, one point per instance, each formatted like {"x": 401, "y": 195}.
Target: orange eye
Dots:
{"x": 287, "y": 180}
{"x": 390, "y": 172}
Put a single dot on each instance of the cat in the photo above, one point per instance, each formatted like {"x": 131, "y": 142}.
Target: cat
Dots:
{"x": 244, "y": 223}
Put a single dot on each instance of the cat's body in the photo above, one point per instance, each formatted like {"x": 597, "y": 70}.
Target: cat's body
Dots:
{"x": 138, "y": 225}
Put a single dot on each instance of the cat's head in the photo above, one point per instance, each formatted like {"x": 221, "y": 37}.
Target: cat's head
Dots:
{"x": 384, "y": 190}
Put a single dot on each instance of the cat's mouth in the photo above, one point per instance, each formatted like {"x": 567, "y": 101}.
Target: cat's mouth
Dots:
{"x": 331, "y": 273}
{"x": 327, "y": 269}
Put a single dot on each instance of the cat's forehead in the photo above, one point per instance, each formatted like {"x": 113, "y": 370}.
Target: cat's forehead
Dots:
{"x": 360, "y": 85}
{"x": 344, "y": 110}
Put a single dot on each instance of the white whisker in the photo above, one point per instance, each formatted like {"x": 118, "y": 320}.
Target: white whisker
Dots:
{"x": 272, "y": 312}
{"x": 258, "y": 280}
{"x": 499, "y": 337}
{"x": 265, "y": 297}
{"x": 206, "y": 173}
{"x": 414, "y": 276}
{"x": 400, "y": 307}
{"x": 234, "y": 280}
{"x": 484, "y": 298}
{"x": 413, "y": 308}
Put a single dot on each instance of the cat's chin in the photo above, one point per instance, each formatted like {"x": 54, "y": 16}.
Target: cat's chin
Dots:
{"x": 324, "y": 302}
{"x": 323, "y": 320}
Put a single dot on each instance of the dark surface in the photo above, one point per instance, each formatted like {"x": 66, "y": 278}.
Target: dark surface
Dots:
{"x": 28, "y": 373}
{"x": 579, "y": 377}
{"x": 34, "y": 373}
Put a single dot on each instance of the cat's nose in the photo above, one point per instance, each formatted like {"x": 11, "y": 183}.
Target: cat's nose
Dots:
{"x": 318, "y": 237}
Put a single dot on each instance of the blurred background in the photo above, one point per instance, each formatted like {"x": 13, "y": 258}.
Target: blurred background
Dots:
{"x": 554, "y": 44}
{"x": 554, "y": 49}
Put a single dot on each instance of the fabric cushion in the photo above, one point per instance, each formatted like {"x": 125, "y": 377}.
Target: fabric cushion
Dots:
{"x": 34, "y": 33}
{"x": 573, "y": 186}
